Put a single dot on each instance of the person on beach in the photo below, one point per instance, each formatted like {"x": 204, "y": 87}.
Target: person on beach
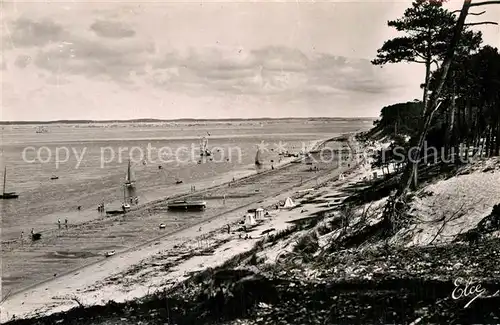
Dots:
{"x": 228, "y": 229}
{"x": 79, "y": 208}
{"x": 136, "y": 200}
{"x": 66, "y": 222}
{"x": 59, "y": 223}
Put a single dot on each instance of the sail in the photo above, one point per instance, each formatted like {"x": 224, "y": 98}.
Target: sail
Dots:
{"x": 257, "y": 158}
{"x": 129, "y": 177}
{"x": 4, "y": 178}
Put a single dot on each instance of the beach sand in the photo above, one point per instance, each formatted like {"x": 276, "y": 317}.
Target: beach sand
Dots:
{"x": 148, "y": 258}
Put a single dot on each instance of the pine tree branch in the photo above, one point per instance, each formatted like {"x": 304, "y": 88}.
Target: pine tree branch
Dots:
{"x": 482, "y": 23}
{"x": 471, "y": 13}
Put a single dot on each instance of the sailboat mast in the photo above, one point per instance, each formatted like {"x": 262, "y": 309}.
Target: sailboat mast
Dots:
{"x": 4, "y": 178}
{"x": 128, "y": 172}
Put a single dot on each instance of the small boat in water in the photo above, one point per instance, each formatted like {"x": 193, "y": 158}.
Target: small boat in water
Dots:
{"x": 163, "y": 226}
{"x": 54, "y": 177}
{"x": 178, "y": 182}
{"x": 7, "y": 195}
{"x": 41, "y": 129}
{"x": 187, "y": 205}
{"x": 204, "y": 151}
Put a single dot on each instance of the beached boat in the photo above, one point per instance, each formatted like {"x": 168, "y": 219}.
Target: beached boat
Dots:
{"x": 187, "y": 205}
{"x": 129, "y": 181}
{"x": 110, "y": 253}
{"x": 114, "y": 212}
{"x": 54, "y": 177}
{"x": 162, "y": 226}
{"x": 7, "y": 195}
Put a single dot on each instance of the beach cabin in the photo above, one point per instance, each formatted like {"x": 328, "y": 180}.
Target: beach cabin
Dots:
{"x": 259, "y": 214}
{"x": 250, "y": 220}
{"x": 289, "y": 203}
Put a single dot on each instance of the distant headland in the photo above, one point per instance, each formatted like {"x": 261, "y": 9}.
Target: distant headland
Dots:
{"x": 188, "y": 120}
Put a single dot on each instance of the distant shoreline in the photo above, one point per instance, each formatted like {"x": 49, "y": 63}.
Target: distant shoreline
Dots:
{"x": 189, "y": 120}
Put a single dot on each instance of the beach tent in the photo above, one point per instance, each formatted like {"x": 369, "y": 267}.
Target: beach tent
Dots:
{"x": 288, "y": 203}
{"x": 250, "y": 220}
{"x": 341, "y": 177}
{"x": 259, "y": 213}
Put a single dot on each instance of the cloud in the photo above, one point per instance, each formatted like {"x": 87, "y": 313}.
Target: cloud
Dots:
{"x": 267, "y": 71}
{"x": 95, "y": 58}
{"x": 29, "y": 33}
{"x": 111, "y": 29}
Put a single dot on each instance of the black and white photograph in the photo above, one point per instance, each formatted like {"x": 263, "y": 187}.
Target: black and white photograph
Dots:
{"x": 250, "y": 162}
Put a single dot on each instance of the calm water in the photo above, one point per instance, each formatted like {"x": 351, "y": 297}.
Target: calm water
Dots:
{"x": 93, "y": 161}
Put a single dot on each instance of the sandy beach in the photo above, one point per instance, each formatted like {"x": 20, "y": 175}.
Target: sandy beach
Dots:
{"x": 144, "y": 250}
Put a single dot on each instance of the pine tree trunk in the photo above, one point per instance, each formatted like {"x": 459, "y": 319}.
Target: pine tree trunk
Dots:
{"x": 429, "y": 108}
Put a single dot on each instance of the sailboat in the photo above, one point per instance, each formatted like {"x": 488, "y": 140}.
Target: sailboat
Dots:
{"x": 203, "y": 147}
{"x": 257, "y": 158}
{"x": 7, "y": 195}
{"x": 129, "y": 182}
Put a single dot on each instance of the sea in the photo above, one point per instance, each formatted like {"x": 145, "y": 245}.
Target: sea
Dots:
{"x": 64, "y": 171}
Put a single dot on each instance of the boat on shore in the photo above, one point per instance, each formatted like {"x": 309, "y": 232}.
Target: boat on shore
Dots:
{"x": 187, "y": 205}
{"x": 7, "y": 195}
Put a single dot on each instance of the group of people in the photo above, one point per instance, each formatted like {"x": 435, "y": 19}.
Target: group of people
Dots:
{"x": 100, "y": 207}
{"x": 32, "y": 233}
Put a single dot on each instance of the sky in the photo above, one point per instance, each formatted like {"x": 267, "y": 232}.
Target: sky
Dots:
{"x": 168, "y": 60}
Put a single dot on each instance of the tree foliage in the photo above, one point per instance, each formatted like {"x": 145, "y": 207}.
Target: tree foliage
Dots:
{"x": 428, "y": 29}
{"x": 400, "y": 119}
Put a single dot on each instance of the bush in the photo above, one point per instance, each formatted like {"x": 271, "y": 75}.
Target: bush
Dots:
{"x": 307, "y": 244}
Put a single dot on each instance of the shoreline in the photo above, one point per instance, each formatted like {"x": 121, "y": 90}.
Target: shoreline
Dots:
{"x": 177, "y": 232}
{"x": 89, "y": 215}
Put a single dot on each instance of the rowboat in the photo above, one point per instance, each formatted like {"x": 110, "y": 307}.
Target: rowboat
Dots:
{"x": 187, "y": 205}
